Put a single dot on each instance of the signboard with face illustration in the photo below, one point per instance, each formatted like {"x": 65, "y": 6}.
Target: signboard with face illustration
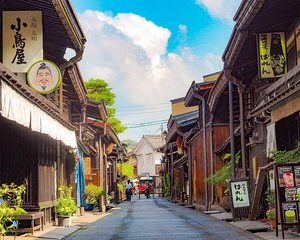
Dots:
{"x": 285, "y": 176}
{"x": 272, "y": 54}
{"x": 22, "y": 39}
{"x": 44, "y": 77}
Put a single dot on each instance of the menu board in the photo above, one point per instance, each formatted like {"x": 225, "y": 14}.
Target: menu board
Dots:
{"x": 240, "y": 194}
{"x": 291, "y": 194}
{"x": 297, "y": 175}
{"x": 285, "y": 176}
{"x": 290, "y": 213}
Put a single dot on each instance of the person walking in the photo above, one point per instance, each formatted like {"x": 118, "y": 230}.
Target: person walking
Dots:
{"x": 148, "y": 186}
{"x": 128, "y": 188}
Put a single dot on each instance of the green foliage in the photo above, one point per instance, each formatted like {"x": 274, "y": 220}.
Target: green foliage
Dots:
{"x": 223, "y": 176}
{"x": 286, "y": 156}
{"x": 116, "y": 124}
{"x": 93, "y": 193}
{"x": 11, "y": 196}
{"x": 270, "y": 199}
{"x": 271, "y": 214}
{"x": 166, "y": 185}
{"x": 125, "y": 169}
{"x": 66, "y": 205}
{"x": 99, "y": 90}
{"x": 121, "y": 186}
{"x": 12, "y": 193}
{"x": 129, "y": 142}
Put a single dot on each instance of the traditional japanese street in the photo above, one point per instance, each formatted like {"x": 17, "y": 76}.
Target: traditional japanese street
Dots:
{"x": 159, "y": 219}
{"x": 149, "y": 119}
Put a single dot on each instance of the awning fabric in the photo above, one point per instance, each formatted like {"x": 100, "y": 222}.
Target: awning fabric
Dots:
{"x": 17, "y": 108}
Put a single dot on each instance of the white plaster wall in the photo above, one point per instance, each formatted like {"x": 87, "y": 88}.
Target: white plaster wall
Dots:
{"x": 145, "y": 159}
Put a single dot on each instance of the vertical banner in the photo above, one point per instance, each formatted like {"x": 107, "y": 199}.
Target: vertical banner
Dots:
{"x": 22, "y": 39}
{"x": 271, "y": 139}
{"x": 272, "y": 54}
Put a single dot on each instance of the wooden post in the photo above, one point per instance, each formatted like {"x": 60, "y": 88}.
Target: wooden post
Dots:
{"x": 231, "y": 122}
{"x": 61, "y": 103}
{"x": 190, "y": 174}
{"x": 172, "y": 173}
{"x": 242, "y": 130}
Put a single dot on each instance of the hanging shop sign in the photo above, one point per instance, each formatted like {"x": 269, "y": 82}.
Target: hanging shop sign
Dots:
{"x": 272, "y": 54}
{"x": 44, "y": 77}
{"x": 288, "y": 194}
{"x": 22, "y": 39}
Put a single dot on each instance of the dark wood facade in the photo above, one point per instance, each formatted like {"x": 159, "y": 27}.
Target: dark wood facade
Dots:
{"x": 260, "y": 102}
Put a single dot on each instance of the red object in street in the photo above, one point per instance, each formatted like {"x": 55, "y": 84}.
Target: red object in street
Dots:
{"x": 142, "y": 188}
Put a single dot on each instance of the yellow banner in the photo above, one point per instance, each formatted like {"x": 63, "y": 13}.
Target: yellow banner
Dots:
{"x": 272, "y": 55}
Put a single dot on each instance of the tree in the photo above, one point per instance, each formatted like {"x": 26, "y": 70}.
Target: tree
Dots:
{"x": 99, "y": 90}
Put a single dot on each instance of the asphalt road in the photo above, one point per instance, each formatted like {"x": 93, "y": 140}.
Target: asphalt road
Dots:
{"x": 158, "y": 219}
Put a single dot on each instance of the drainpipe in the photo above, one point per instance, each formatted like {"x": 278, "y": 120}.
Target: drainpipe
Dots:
{"x": 242, "y": 130}
{"x": 232, "y": 150}
{"x": 198, "y": 96}
{"x": 63, "y": 67}
{"x": 212, "y": 166}
{"x": 190, "y": 174}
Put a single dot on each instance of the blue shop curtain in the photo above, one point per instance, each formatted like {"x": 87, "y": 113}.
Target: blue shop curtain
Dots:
{"x": 79, "y": 179}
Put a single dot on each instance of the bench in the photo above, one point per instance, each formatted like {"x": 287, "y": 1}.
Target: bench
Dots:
{"x": 30, "y": 222}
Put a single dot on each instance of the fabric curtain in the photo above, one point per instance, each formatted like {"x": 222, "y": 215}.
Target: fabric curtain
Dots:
{"x": 17, "y": 108}
{"x": 79, "y": 179}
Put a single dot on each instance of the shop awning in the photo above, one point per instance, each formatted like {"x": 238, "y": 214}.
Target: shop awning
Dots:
{"x": 17, "y": 108}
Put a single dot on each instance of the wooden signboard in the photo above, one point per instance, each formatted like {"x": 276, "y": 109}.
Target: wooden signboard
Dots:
{"x": 240, "y": 198}
{"x": 287, "y": 178}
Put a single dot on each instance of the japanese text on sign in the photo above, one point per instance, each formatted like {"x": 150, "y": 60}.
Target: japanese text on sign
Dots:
{"x": 240, "y": 194}
{"x": 272, "y": 55}
{"x": 22, "y": 39}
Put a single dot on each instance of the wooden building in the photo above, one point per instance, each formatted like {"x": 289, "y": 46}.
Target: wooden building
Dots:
{"x": 204, "y": 144}
{"x": 176, "y": 150}
{"x": 38, "y": 132}
{"x": 103, "y": 164}
{"x": 261, "y": 106}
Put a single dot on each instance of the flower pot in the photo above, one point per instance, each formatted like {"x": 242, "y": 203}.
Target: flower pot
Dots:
{"x": 273, "y": 224}
{"x": 64, "y": 221}
{"x": 89, "y": 207}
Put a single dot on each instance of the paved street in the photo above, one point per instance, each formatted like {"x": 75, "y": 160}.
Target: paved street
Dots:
{"x": 159, "y": 219}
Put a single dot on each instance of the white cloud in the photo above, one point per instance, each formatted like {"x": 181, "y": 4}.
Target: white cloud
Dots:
{"x": 183, "y": 29}
{"x": 224, "y": 9}
{"x": 130, "y": 52}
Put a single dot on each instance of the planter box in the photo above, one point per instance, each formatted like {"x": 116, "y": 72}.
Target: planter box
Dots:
{"x": 64, "y": 221}
{"x": 89, "y": 207}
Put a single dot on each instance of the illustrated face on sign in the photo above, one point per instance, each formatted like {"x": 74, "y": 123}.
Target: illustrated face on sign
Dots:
{"x": 288, "y": 179}
{"x": 44, "y": 76}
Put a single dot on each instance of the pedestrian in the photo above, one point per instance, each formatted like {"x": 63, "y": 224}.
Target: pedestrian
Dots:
{"x": 148, "y": 186}
{"x": 128, "y": 188}
{"x": 142, "y": 189}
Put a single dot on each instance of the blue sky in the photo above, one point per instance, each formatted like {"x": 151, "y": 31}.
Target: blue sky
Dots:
{"x": 151, "y": 50}
{"x": 202, "y": 27}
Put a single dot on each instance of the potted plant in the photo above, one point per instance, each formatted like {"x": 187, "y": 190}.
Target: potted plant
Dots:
{"x": 10, "y": 206}
{"x": 223, "y": 177}
{"x": 66, "y": 206}
{"x": 93, "y": 194}
{"x": 271, "y": 217}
